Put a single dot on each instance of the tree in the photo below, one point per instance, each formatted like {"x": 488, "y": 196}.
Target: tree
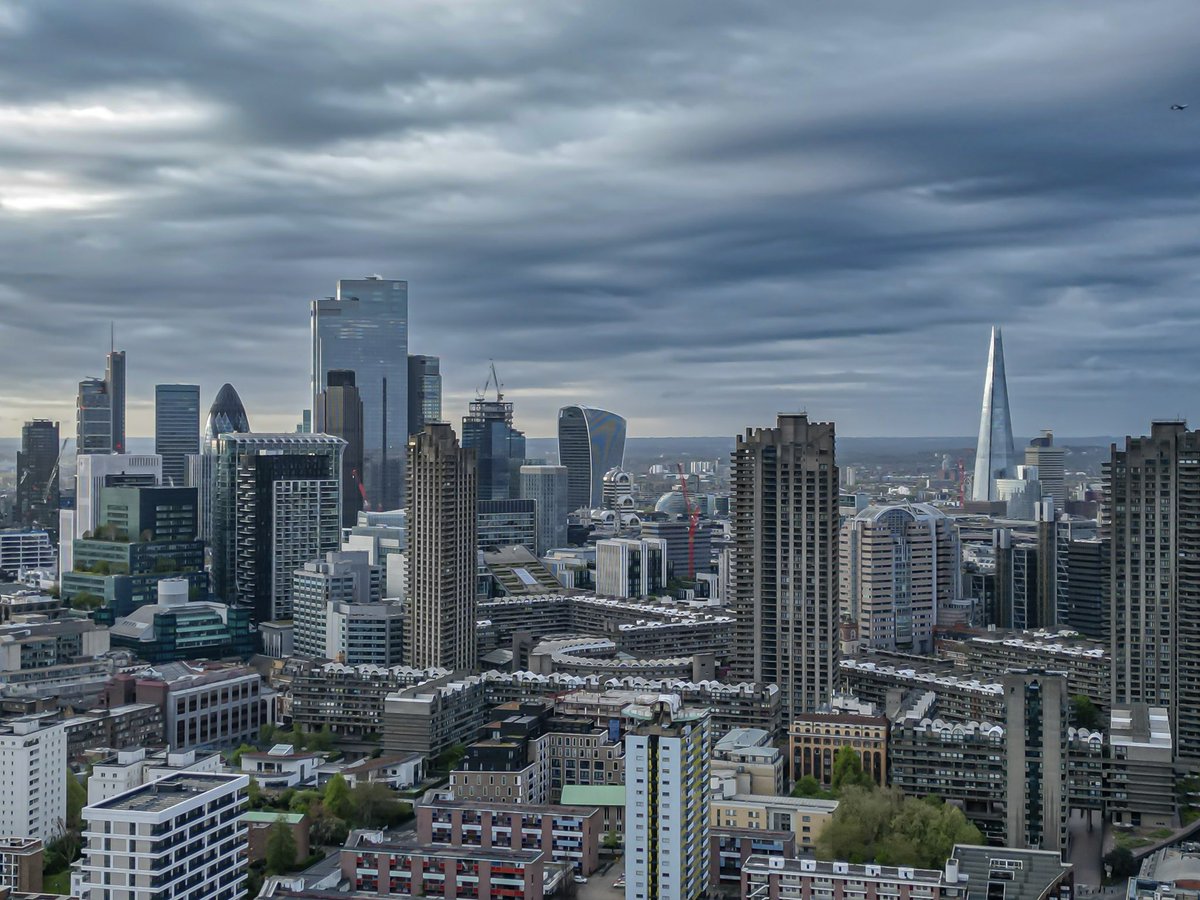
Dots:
{"x": 254, "y": 794}
{"x": 302, "y": 800}
{"x": 1120, "y": 863}
{"x": 848, "y": 771}
{"x": 1084, "y": 713}
{"x": 611, "y": 841}
{"x": 808, "y": 786}
{"x": 281, "y": 848}
{"x": 337, "y": 797}
{"x": 322, "y": 740}
{"x": 376, "y": 806}
{"x": 449, "y": 758}
{"x": 76, "y": 801}
{"x": 236, "y": 756}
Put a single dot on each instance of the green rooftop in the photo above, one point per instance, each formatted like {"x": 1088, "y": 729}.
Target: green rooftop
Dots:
{"x": 269, "y": 817}
{"x": 593, "y": 795}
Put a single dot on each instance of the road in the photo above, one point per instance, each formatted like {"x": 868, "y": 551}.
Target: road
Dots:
{"x": 1087, "y": 848}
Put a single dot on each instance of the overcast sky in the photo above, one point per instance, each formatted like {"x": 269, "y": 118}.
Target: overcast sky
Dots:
{"x": 693, "y": 213}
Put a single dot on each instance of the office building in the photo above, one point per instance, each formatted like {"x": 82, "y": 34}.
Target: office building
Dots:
{"x": 339, "y": 411}
{"x": 1085, "y": 593}
{"x": 364, "y": 329}
{"x": 25, "y": 549}
{"x": 803, "y": 818}
{"x": 688, "y": 552}
{"x": 898, "y": 565}
{"x": 1049, "y": 462}
{"x": 93, "y": 417}
{"x": 1151, "y": 520}
{"x": 547, "y": 486}
{"x": 176, "y": 428}
{"x": 442, "y": 548}
{"x": 424, "y": 392}
{"x": 190, "y": 822}
{"x": 590, "y": 442}
{"x": 507, "y": 523}
{"x": 666, "y": 800}
{"x": 93, "y": 473}
{"x": 785, "y": 580}
{"x": 276, "y": 506}
{"x": 225, "y": 416}
{"x": 631, "y": 568}
{"x": 487, "y": 429}
{"x": 37, "y": 495}
{"x": 114, "y": 380}
{"x": 342, "y": 577}
{"x": 617, "y": 490}
{"x": 995, "y": 456}
{"x": 178, "y": 628}
{"x": 33, "y": 777}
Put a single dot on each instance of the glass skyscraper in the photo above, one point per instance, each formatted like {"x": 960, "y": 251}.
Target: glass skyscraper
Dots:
{"x": 176, "y": 428}
{"x": 364, "y": 329}
{"x": 424, "y": 392}
{"x": 590, "y": 442}
{"x": 93, "y": 417}
{"x": 499, "y": 448}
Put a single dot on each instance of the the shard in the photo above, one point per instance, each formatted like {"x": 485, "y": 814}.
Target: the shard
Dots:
{"x": 995, "y": 456}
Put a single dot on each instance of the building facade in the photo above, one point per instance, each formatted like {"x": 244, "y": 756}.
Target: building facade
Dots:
{"x": 590, "y": 442}
{"x": 547, "y": 487}
{"x": 507, "y": 523}
{"x": 487, "y": 428}
{"x": 424, "y": 392}
{"x": 37, "y": 494}
{"x": 630, "y": 568}
{"x": 341, "y": 577}
{"x": 33, "y": 776}
{"x": 176, "y": 428}
{"x": 339, "y": 411}
{"x": 995, "y": 455}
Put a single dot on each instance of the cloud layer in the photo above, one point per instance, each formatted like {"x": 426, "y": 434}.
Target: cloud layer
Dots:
{"x": 696, "y": 214}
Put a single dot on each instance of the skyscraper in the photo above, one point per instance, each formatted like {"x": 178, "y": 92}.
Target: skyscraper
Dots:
{"x": 225, "y": 416}
{"x": 276, "y": 505}
{"x": 785, "y": 580}
{"x": 339, "y": 411}
{"x": 1051, "y": 467}
{"x": 548, "y": 486}
{"x": 37, "y": 475}
{"x": 1035, "y": 732}
{"x": 666, "y": 800}
{"x": 898, "y": 565}
{"x": 176, "y": 428}
{"x": 1152, "y": 524}
{"x": 995, "y": 456}
{"x": 365, "y": 329}
{"x": 487, "y": 429}
{"x": 442, "y": 564}
{"x": 424, "y": 392}
{"x": 590, "y": 442}
{"x": 93, "y": 417}
{"x": 114, "y": 379}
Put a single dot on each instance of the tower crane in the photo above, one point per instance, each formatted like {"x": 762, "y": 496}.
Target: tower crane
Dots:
{"x": 54, "y": 472}
{"x": 693, "y": 513}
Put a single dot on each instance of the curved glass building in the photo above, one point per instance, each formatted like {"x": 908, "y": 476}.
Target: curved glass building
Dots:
{"x": 590, "y": 442}
{"x": 226, "y": 415}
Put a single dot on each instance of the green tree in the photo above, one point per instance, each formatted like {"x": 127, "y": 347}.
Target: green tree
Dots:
{"x": 327, "y": 830}
{"x": 376, "y": 806}
{"x": 1084, "y": 713}
{"x": 337, "y": 797}
{"x": 322, "y": 740}
{"x": 266, "y": 734}
{"x": 281, "y": 848}
{"x": 449, "y": 758}
{"x": 1120, "y": 863}
{"x": 611, "y": 841}
{"x": 236, "y": 756}
{"x": 848, "y": 771}
{"x": 254, "y": 793}
{"x": 76, "y": 801}
{"x": 808, "y": 786}
{"x": 303, "y": 800}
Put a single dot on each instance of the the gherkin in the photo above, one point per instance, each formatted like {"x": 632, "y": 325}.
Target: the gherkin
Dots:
{"x": 226, "y": 415}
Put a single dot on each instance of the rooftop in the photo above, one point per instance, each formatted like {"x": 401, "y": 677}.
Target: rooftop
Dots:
{"x": 270, "y": 817}
{"x": 593, "y": 795}
{"x": 161, "y": 795}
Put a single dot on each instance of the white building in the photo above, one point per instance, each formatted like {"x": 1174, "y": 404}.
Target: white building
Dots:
{"x": 25, "y": 549}
{"x": 345, "y": 577}
{"x": 631, "y": 568}
{"x": 129, "y": 769}
{"x": 33, "y": 778}
{"x": 666, "y": 800}
{"x": 282, "y": 767}
{"x": 93, "y": 472}
{"x": 178, "y": 837}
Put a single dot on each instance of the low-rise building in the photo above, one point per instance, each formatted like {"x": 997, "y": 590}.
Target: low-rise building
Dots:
{"x": 749, "y": 751}
{"x": 21, "y": 864}
{"x": 732, "y": 848}
{"x": 349, "y": 699}
{"x": 282, "y": 767}
{"x": 259, "y": 823}
{"x": 814, "y": 740}
{"x": 178, "y": 628}
{"x": 399, "y": 772}
{"x": 803, "y": 817}
{"x": 1172, "y": 873}
{"x": 778, "y": 878}
{"x": 609, "y": 799}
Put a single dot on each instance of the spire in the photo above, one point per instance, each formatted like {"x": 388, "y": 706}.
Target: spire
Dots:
{"x": 995, "y": 456}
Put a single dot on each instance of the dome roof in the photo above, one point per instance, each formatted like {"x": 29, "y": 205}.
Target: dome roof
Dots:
{"x": 226, "y": 414}
{"x": 672, "y": 503}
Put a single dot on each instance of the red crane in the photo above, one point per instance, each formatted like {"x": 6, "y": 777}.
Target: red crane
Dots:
{"x": 962, "y": 483}
{"x": 693, "y": 513}
{"x": 361, "y": 490}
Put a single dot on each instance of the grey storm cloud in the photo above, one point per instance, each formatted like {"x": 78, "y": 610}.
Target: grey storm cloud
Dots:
{"x": 697, "y": 214}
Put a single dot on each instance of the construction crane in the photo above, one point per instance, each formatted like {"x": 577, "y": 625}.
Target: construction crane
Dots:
{"x": 962, "y": 483}
{"x": 361, "y": 489}
{"x": 492, "y": 379}
{"x": 52, "y": 479}
{"x": 693, "y": 513}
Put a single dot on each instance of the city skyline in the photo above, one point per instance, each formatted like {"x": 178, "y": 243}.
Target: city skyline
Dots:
{"x": 595, "y": 225}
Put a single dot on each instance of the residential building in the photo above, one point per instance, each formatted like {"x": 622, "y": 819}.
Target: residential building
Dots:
{"x": 379, "y": 863}
{"x": 732, "y": 848}
{"x": 590, "y": 442}
{"x": 339, "y": 411}
{"x": 487, "y": 428}
{"x": 631, "y": 568}
{"x": 282, "y": 767}
{"x": 547, "y": 486}
{"x": 442, "y": 551}
{"x": 804, "y": 818}
{"x": 21, "y": 864}
{"x": 400, "y": 772}
{"x": 384, "y": 535}
{"x": 985, "y": 873}
{"x": 259, "y": 823}
{"x": 899, "y": 565}
{"x": 276, "y": 506}
{"x": 1050, "y": 463}
{"x": 349, "y": 699}
{"x": 176, "y": 429}
{"x": 815, "y": 739}
{"x": 749, "y": 751}
{"x": 37, "y": 494}
{"x": 196, "y": 815}
{"x": 799, "y": 879}
{"x": 785, "y": 581}
{"x": 1037, "y": 708}
{"x": 33, "y": 778}
{"x": 1138, "y": 782}
{"x": 507, "y": 523}
{"x": 424, "y": 392}
{"x": 667, "y": 800}
{"x": 995, "y": 455}
{"x": 342, "y": 577}
{"x": 132, "y": 767}
{"x": 1170, "y": 872}
{"x": 1152, "y": 524}
{"x": 364, "y": 329}
{"x": 178, "y": 628}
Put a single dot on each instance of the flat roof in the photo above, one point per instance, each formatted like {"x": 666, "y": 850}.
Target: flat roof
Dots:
{"x": 593, "y": 795}
{"x": 269, "y": 817}
{"x": 166, "y": 792}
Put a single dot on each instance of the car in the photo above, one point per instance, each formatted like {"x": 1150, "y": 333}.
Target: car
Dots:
{"x": 620, "y": 882}
{"x": 579, "y": 879}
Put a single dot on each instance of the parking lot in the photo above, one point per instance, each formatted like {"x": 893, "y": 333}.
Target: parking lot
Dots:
{"x": 600, "y": 883}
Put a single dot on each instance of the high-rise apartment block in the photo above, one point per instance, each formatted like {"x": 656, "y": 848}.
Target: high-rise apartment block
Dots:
{"x": 442, "y": 542}
{"x": 1151, "y": 519}
{"x": 339, "y": 411}
{"x": 424, "y": 392}
{"x": 1036, "y": 711}
{"x": 666, "y": 800}
{"x": 364, "y": 329}
{"x": 547, "y": 485}
{"x": 590, "y": 442}
{"x": 33, "y": 777}
{"x": 785, "y": 579}
{"x": 276, "y": 505}
{"x": 37, "y": 497}
{"x": 898, "y": 565}
{"x": 176, "y": 428}
{"x": 995, "y": 456}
